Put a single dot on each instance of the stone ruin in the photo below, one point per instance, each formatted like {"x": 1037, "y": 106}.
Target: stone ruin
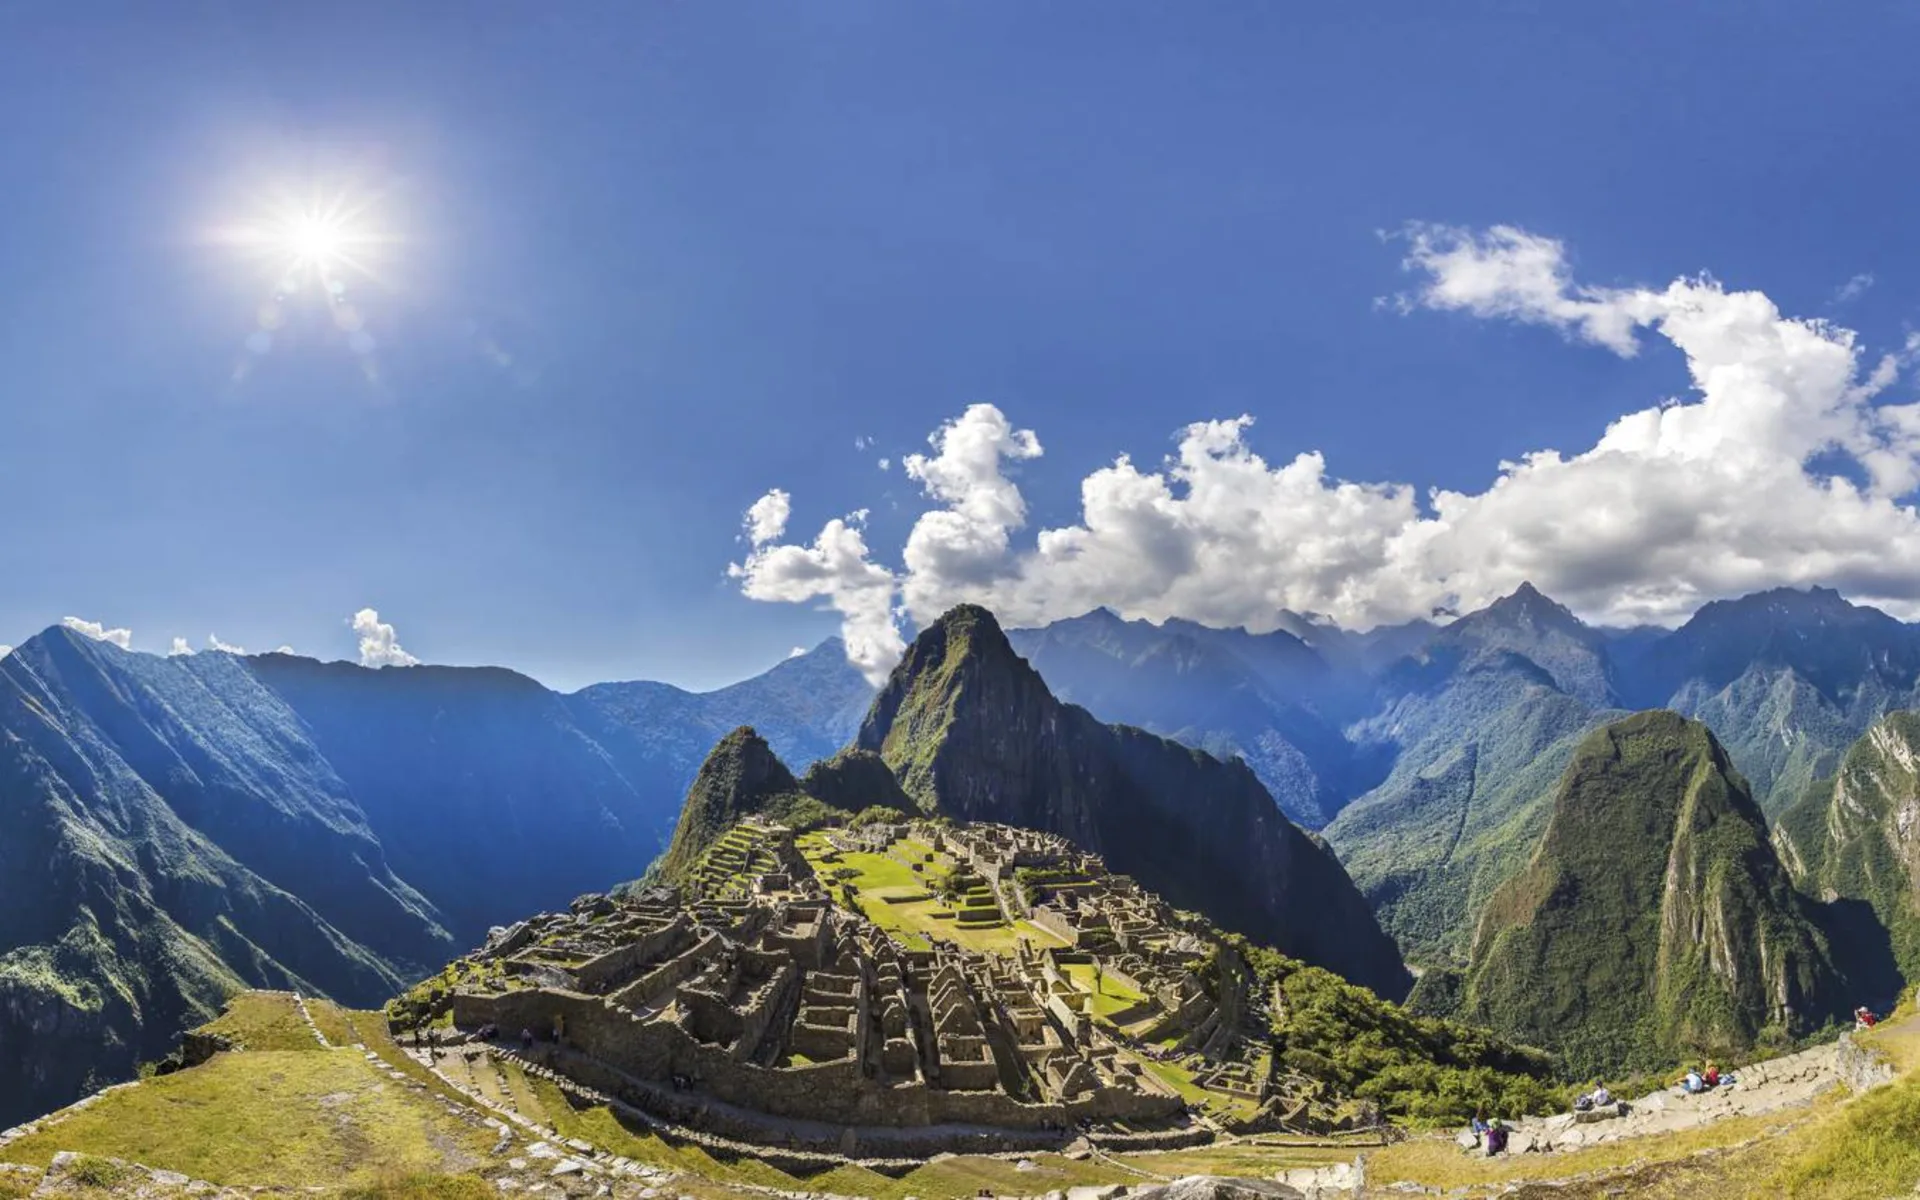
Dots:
{"x": 750, "y": 1004}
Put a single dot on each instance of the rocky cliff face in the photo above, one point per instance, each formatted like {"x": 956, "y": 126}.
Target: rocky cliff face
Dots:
{"x": 970, "y": 730}
{"x": 1854, "y": 838}
{"x": 1654, "y": 919}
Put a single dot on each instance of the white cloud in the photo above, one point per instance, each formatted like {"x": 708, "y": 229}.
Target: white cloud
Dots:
{"x": 180, "y": 648}
{"x": 963, "y": 547}
{"x": 1732, "y": 489}
{"x": 1853, "y": 288}
{"x": 214, "y": 643}
{"x": 797, "y": 652}
{"x": 379, "y": 644}
{"x": 122, "y": 638}
{"x": 861, "y": 442}
{"x": 834, "y": 568}
{"x": 5, "y": 650}
{"x": 283, "y": 650}
{"x": 767, "y": 518}
{"x": 886, "y": 464}
{"x": 1508, "y": 272}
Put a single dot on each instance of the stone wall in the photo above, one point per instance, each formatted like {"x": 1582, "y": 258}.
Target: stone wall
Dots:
{"x": 618, "y": 961}
{"x": 834, "y": 1092}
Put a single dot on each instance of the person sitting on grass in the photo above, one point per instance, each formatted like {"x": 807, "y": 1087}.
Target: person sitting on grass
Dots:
{"x": 1693, "y": 1084}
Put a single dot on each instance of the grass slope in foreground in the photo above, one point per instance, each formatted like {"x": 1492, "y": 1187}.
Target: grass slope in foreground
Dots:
{"x": 283, "y": 1112}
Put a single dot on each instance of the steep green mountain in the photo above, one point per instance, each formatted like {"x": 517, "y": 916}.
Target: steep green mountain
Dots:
{"x": 1224, "y": 691}
{"x": 1654, "y": 920}
{"x": 1852, "y": 837}
{"x": 741, "y": 777}
{"x": 172, "y": 829}
{"x": 971, "y": 731}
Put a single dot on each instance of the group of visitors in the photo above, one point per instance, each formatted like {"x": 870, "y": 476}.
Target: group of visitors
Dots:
{"x": 1704, "y": 1079}
{"x": 1597, "y": 1100}
{"x": 1491, "y": 1134}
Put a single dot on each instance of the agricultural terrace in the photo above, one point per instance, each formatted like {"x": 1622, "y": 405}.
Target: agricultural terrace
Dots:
{"x": 899, "y": 887}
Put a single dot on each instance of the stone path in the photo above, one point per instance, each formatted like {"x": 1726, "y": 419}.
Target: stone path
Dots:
{"x": 300, "y": 1004}
{"x": 1764, "y": 1087}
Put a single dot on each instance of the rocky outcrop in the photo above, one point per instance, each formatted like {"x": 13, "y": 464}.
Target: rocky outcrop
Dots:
{"x": 1654, "y": 920}
{"x": 971, "y": 731}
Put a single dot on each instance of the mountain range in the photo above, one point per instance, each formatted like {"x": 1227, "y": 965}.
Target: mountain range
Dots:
{"x": 1428, "y": 753}
{"x": 174, "y": 828}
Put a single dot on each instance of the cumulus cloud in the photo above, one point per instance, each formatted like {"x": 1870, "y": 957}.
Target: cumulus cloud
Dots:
{"x": 1785, "y": 465}
{"x": 214, "y": 643}
{"x": 1508, "y": 272}
{"x": 379, "y": 644}
{"x": 861, "y": 442}
{"x": 886, "y": 464}
{"x": 180, "y": 647}
{"x": 797, "y": 652}
{"x": 835, "y": 568}
{"x": 122, "y": 638}
{"x": 283, "y": 650}
{"x": 767, "y": 518}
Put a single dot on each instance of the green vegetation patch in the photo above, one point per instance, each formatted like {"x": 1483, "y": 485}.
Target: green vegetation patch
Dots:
{"x": 263, "y": 1021}
{"x": 292, "y": 1118}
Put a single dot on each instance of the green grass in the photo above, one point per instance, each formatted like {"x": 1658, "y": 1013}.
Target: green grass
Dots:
{"x": 913, "y": 922}
{"x": 263, "y": 1021}
{"x": 398, "y": 1185}
{"x": 333, "y": 1022}
{"x": 291, "y": 1118}
{"x": 881, "y": 871}
{"x": 1112, "y": 995}
{"x": 1239, "y": 1159}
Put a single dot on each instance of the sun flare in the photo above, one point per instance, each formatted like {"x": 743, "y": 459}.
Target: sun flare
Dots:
{"x": 314, "y": 239}
{"x": 323, "y": 240}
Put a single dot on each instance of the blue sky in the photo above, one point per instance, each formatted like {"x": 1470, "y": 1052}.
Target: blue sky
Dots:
{"x": 653, "y": 260}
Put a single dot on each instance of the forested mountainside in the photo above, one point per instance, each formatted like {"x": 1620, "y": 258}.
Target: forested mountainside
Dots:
{"x": 1853, "y": 840}
{"x": 1653, "y": 922}
{"x": 172, "y": 829}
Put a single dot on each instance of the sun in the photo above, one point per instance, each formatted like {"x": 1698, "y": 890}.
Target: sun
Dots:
{"x": 324, "y": 239}
{"x": 315, "y": 240}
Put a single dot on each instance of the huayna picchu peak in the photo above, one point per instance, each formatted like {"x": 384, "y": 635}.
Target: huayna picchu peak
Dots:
{"x": 972, "y": 732}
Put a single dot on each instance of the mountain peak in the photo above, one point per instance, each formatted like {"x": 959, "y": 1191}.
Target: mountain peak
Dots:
{"x": 1529, "y": 601}
{"x": 1653, "y": 835}
{"x": 740, "y": 777}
